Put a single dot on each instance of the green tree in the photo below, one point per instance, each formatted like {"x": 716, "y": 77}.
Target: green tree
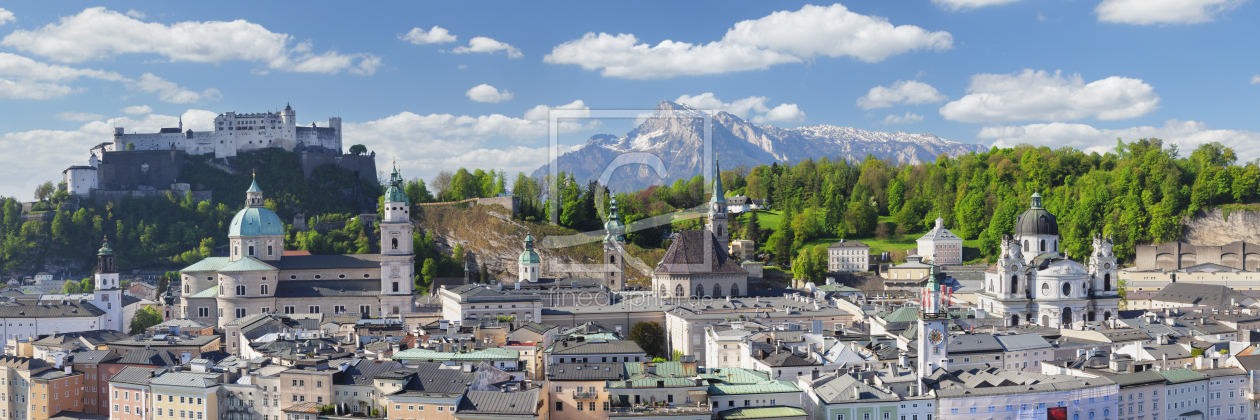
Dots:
{"x": 650, "y": 336}
{"x": 131, "y": 146}
{"x": 45, "y": 190}
{"x": 752, "y": 228}
{"x": 429, "y": 271}
{"x": 358, "y": 149}
{"x": 145, "y": 317}
{"x": 86, "y": 286}
{"x": 71, "y": 287}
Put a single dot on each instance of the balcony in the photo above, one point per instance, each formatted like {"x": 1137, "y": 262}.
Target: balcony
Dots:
{"x": 660, "y": 411}
{"x": 585, "y": 395}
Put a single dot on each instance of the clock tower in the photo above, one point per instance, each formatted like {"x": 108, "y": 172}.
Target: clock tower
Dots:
{"x": 933, "y": 331}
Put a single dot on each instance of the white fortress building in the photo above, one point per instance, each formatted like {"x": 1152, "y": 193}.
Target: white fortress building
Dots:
{"x": 1041, "y": 286}
{"x": 235, "y": 133}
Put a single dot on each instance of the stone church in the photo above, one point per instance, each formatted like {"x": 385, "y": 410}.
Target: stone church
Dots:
{"x": 697, "y": 263}
{"x": 256, "y": 277}
{"x": 1032, "y": 283}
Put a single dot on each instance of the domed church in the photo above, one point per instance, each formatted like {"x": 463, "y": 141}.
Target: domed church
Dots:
{"x": 1032, "y": 283}
{"x": 256, "y": 277}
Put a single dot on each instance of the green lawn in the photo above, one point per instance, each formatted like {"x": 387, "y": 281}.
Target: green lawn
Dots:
{"x": 770, "y": 220}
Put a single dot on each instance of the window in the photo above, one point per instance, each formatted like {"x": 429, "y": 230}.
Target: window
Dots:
{"x": 339, "y": 309}
{"x": 269, "y": 250}
{"x": 559, "y": 406}
{"x": 264, "y": 289}
{"x": 313, "y": 309}
{"x": 240, "y": 312}
{"x": 395, "y": 286}
{"x": 251, "y": 253}
{"x": 289, "y": 310}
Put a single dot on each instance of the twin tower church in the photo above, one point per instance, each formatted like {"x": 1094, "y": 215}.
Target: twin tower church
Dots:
{"x": 256, "y": 277}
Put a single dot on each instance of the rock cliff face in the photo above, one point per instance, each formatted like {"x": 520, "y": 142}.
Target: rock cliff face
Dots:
{"x": 490, "y": 235}
{"x": 1216, "y": 227}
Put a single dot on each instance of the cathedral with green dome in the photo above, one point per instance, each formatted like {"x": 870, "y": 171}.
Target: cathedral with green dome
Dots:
{"x": 257, "y": 277}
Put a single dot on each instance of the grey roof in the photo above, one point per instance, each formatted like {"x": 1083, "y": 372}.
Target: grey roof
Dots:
{"x": 649, "y": 305}
{"x": 522, "y": 403}
{"x": 70, "y": 309}
{"x": 788, "y": 358}
{"x": 1173, "y": 351}
{"x": 996, "y": 381}
{"x": 328, "y": 288}
{"x": 848, "y": 244}
{"x": 1229, "y": 371}
{"x": 1249, "y": 362}
{"x": 93, "y": 356}
{"x": 183, "y": 324}
{"x": 22, "y": 363}
{"x": 94, "y": 337}
{"x": 973, "y": 343}
{"x": 328, "y": 262}
{"x": 586, "y": 372}
{"x": 361, "y": 373}
{"x": 1199, "y": 294}
{"x": 482, "y": 293}
{"x": 133, "y": 375}
{"x": 839, "y": 389}
{"x": 149, "y": 357}
{"x": 433, "y": 378}
{"x": 155, "y": 341}
{"x": 687, "y": 255}
{"x": 71, "y": 415}
{"x": 1020, "y": 342}
{"x": 187, "y": 379}
{"x": 598, "y": 347}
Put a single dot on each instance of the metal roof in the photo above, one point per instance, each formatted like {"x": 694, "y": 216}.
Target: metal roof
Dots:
{"x": 769, "y": 387}
{"x": 1177, "y": 376}
{"x": 328, "y": 288}
{"x": 208, "y": 264}
{"x": 1020, "y": 342}
{"x": 522, "y": 403}
{"x": 493, "y": 353}
{"x": 248, "y": 264}
{"x": 256, "y": 221}
{"x": 586, "y": 372}
{"x": 743, "y": 413}
{"x": 133, "y": 375}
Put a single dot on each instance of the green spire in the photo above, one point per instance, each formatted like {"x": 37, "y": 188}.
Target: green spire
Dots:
{"x": 614, "y": 227}
{"x": 718, "y": 195}
{"x": 253, "y": 186}
{"x": 1036, "y": 200}
{"x": 105, "y": 249}
{"x": 395, "y": 193}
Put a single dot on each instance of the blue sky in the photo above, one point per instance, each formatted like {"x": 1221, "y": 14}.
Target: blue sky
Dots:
{"x": 1003, "y": 72}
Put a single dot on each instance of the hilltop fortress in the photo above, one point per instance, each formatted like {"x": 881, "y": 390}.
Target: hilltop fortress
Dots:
{"x": 236, "y": 133}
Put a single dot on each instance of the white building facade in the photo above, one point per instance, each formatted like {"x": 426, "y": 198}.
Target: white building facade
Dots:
{"x": 940, "y": 246}
{"x": 848, "y": 256}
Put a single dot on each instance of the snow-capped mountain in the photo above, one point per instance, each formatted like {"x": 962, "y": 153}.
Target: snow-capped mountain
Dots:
{"x": 679, "y": 142}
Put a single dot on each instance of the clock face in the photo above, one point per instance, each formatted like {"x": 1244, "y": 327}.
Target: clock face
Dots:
{"x": 1014, "y": 267}
{"x": 1107, "y": 266}
{"x": 935, "y": 337}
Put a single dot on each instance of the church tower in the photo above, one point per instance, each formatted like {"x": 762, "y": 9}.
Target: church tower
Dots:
{"x": 717, "y": 210}
{"x": 527, "y": 264}
{"x": 933, "y": 331}
{"x": 614, "y": 240}
{"x": 397, "y": 256}
{"x": 1102, "y": 268}
{"x": 108, "y": 294}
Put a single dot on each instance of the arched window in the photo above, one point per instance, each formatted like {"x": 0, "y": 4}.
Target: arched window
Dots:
{"x": 699, "y": 290}
{"x": 1067, "y": 289}
{"x": 990, "y": 285}
{"x": 1014, "y": 284}
{"x": 717, "y": 290}
{"x": 1026, "y": 244}
{"x": 734, "y": 290}
{"x": 1107, "y": 282}
{"x": 1043, "y": 245}
{"x": 1045, "y": 289}
{"x": 1015, "y": 320}
{"x": 394, "y": 242}
{"x": 612, "y": 259}
{"x": 1045, "y": 320}
{"x": 679, "y": 291}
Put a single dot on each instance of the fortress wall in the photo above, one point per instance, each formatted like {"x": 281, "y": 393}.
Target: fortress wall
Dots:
{"x": 364, "y": 164}
{"x": 510, "y": 203}
{"x": 127, "y": 170}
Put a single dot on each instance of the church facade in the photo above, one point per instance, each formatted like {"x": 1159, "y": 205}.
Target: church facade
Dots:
{"x": 257, "y": 278}
{"x": 697, "y": 264}
{"x": 1032, "y": 283}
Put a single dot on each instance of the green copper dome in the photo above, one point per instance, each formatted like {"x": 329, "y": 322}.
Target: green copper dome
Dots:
{"x": 256, "y": 221}
{"x": 528, "y": 256}
{"x": 105, "y": 249}
{"x": 615, "y": 228}
{"x": 394, "y": 193}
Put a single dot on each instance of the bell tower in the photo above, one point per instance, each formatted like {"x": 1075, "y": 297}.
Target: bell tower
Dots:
{"x": 108, "y": 295}
{"x": 1102, "y": 267}
{"x": 1012, "y": 277}
{"x": 717, "y": 210}
{"x": 397, "y": 256}
{"x": 614, "y": 258}
{"x": 933, "y": 331}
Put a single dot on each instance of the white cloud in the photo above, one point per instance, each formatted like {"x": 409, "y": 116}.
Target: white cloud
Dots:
{"x": 1148, "y": 12}
{"x": 78, "y": 116}
{"x": 956, "y": 5}
{"x": 137, "y": 110}
{"x": 430, "y": 143}
{"x": 98, "y": 33}
{"x": 169, "y": 91}
{"x": 1041, "y": 96}
{"x": 436, "y": 35}
{"x": 487, "y": 93}
{"x": 752, "y": 108}
{"x": 781, "y": 37}
{"x": 1187, "y": 135}
{"x": 482, "y": 44}
{"x": 24, "y": 78}
{"x": 1255, "y": 79}
{"x": 910, "y": 92}
{"x": 540, "y": 112}
{"x": 136, "y": 14}
{"x": 895, "y": 119}
{"x": 46, "y": 152}
{"x": 6, "y": 16}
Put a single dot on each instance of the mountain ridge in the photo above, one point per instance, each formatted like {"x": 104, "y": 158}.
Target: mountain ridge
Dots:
{"x": 678, "y": 143}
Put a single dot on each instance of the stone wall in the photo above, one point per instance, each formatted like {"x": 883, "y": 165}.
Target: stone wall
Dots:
{"x": 511, "y": 203}
{"x": 102, "y": 196}
{"x": 133, "y": 170}
{"x": 1214, "y": 228}
{"x": 364, "y": 165}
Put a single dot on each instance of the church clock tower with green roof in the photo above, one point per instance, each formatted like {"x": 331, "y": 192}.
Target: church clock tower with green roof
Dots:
{"x": 397, "y": 256}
